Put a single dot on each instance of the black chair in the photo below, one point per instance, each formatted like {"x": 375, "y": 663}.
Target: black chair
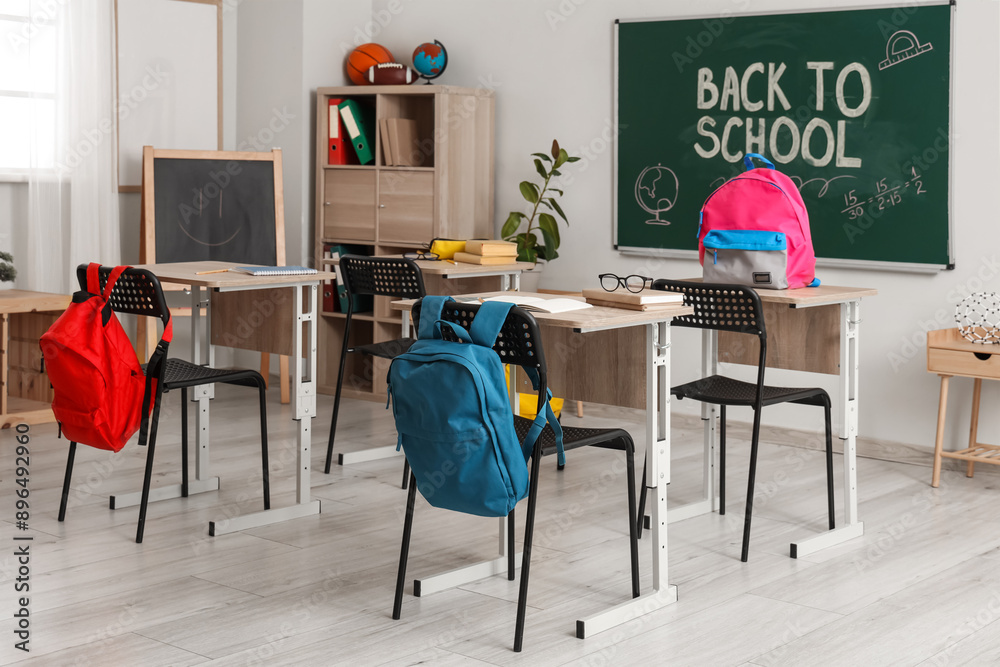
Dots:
{"x": 520, "y": 344}
{"x": 737, "y": 308}
{"x": 373, "y": 276}
{"x": 138, "y": 292}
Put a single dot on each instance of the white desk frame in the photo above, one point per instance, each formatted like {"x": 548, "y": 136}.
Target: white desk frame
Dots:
{"x": 303, "y": 404}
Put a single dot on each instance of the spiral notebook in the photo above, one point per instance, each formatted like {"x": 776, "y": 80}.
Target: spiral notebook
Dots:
{"x": 274, "y": 270}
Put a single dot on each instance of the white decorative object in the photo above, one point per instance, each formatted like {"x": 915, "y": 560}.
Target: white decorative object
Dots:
{"x": 978, "y": 317}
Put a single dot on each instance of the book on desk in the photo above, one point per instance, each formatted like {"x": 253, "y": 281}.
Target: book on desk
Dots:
{"x": 540, "y": 304}
{"x": 273, "y": 270}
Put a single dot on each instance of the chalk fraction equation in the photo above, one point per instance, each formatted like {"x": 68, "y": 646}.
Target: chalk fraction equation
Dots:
{"x": 886, "y": 195}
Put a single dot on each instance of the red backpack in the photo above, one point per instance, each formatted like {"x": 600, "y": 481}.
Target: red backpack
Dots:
{"x": 98, "y": 382}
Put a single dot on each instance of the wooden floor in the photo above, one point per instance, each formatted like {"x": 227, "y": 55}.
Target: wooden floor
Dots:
{"x": 922, "y": 587}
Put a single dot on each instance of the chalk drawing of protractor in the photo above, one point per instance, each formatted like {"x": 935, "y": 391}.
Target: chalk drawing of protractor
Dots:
{"x": 902, "y": 45}
{"x": 656, "y": 192}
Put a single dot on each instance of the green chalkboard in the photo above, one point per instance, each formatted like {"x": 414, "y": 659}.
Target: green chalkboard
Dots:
{"x": 853, "y": 105}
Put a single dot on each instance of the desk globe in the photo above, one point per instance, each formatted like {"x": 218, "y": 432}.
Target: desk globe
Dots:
{"x": 430, "y": 60}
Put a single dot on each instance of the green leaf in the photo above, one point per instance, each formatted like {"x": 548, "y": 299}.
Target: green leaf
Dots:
{"x": 541, "y": 170}
{"x": 561, "y": 158}
{"x": 513, "y": 222}
{"x": 558, "y": 209}
{"x": 529, "y": 191}
{"x": 543, "y": 156}
{"x": 526, "y": 243}
{"x": 556, "y": 172}
{"x": 555, "y": 190}
{"x": 550, "y": 230}
{"x": 545, "y": 201}
{"x": 548, "y": 251}
{"x": 572, "y": 159}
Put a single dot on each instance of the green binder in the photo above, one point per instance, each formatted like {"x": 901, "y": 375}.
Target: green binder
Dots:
{"x": 359, "y": 122}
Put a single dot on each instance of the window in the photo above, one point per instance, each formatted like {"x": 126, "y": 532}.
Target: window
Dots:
{"x": 29, "y": 48}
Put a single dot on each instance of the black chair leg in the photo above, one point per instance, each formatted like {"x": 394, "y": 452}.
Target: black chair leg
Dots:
{"x": 633, "y": 535}
{"x": 529, "y": 530}
{"x": 336, "y": 397}
{"x": 404, "y": 550}
{"x": 184, "y": 442}
{"x": 264, "y": 466}
{"x": 406, "y": 473}
{"x": 750, "y": 485}
{"x": 66, "y": 481}
{"x": 153, "y": 422}
{"x": 722, "y": 460}
{"x": 510, "y": 546}
{"x": 640, "y": 517}
{"x": 829, "y": 466}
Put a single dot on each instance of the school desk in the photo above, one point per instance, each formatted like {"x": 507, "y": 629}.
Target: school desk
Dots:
{"x": 619, "y": 346}
{"x": 258, "y": 313}
{"x": 25, "y": 393}
{"x": 812, "y": 329}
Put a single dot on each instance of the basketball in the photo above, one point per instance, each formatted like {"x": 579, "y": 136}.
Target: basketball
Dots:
{"x": 362, "y": 58}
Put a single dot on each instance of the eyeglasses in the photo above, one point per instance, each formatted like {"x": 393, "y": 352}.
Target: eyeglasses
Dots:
{"x": 422, "y": 254}
{"x": 610, "y": 282}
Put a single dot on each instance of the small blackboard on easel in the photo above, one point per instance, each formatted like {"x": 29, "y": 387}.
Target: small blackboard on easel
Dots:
{"x": 212, "y": 205}
{"x": 225, "y": 206}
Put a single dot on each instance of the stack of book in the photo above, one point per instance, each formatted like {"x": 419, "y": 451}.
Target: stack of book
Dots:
{"x": 488, "y": 252}
{"x": 400, "y": 145}
{"x": 644, "y": 300}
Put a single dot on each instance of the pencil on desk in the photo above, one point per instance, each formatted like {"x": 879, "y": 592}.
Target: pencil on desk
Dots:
{"x": 201, "y": 273}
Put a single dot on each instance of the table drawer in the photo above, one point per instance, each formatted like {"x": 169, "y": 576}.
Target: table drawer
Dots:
{"x": 955, "y": 362}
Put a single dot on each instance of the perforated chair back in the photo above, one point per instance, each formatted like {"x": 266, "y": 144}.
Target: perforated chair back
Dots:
{"x": 717, "y": 306}
{"x": 137, "y": 292}
{"x": 382, "y": 276}
{"x": 519, "y": 342}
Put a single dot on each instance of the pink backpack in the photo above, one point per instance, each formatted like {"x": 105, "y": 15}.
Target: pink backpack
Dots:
{"x": 755, "y": 230}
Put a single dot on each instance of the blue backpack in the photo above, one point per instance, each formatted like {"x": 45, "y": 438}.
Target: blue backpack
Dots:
{"x": 454, "y": 418}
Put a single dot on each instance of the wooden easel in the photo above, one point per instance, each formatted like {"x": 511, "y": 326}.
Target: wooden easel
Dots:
{"x": 146, "y": 336}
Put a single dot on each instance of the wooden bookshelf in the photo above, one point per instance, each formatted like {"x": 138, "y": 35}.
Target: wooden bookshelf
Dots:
{"x": 378, "y": 209}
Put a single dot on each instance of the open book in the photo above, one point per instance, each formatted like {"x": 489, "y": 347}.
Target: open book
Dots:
{"x": 540, "y": 304}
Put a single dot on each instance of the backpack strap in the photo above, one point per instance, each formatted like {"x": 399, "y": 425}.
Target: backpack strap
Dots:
{"x": 748, "y": 161}
{"x": 540, "y": 419}
{"x": 431, "y": 308}
{"x": 488, "y": 322}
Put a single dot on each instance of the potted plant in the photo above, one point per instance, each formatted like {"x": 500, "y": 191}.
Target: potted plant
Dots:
{"x": 7, "y": 270}
{"x": 528, "y": 247}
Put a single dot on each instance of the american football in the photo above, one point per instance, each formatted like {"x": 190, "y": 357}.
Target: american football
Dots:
{"x": 391, "y": 74}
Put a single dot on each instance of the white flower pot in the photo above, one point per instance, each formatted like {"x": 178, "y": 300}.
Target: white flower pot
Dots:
{"x": 531, "y": 278}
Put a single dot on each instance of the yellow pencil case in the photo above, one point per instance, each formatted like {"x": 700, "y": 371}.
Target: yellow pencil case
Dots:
{"x": 446, "y": 248}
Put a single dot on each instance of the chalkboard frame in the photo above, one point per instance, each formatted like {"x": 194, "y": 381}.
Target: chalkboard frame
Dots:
{"x": 821, "y": 261}
{"x": 147, "y": 241}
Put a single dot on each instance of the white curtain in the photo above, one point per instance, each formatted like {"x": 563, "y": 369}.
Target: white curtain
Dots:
{"x": 72, "y": 214}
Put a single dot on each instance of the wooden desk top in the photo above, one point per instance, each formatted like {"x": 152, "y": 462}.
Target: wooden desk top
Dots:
{"x": 595, "y": 318}
{"x": 24, "y": 301}
{"x": 186, "y": 273}
{"x": 810, "y": 296}
{"x": 460, "y": 269}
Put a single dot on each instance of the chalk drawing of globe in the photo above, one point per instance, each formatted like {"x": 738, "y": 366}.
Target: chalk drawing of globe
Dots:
{"x": 656, "y": 192}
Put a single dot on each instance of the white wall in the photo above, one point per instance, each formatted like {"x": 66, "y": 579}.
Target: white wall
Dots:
{"x": 551, "y": 64}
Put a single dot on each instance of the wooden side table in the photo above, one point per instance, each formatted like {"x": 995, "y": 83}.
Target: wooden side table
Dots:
{"x": 25, "y": 393}
{"x": 949, "y": 354}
